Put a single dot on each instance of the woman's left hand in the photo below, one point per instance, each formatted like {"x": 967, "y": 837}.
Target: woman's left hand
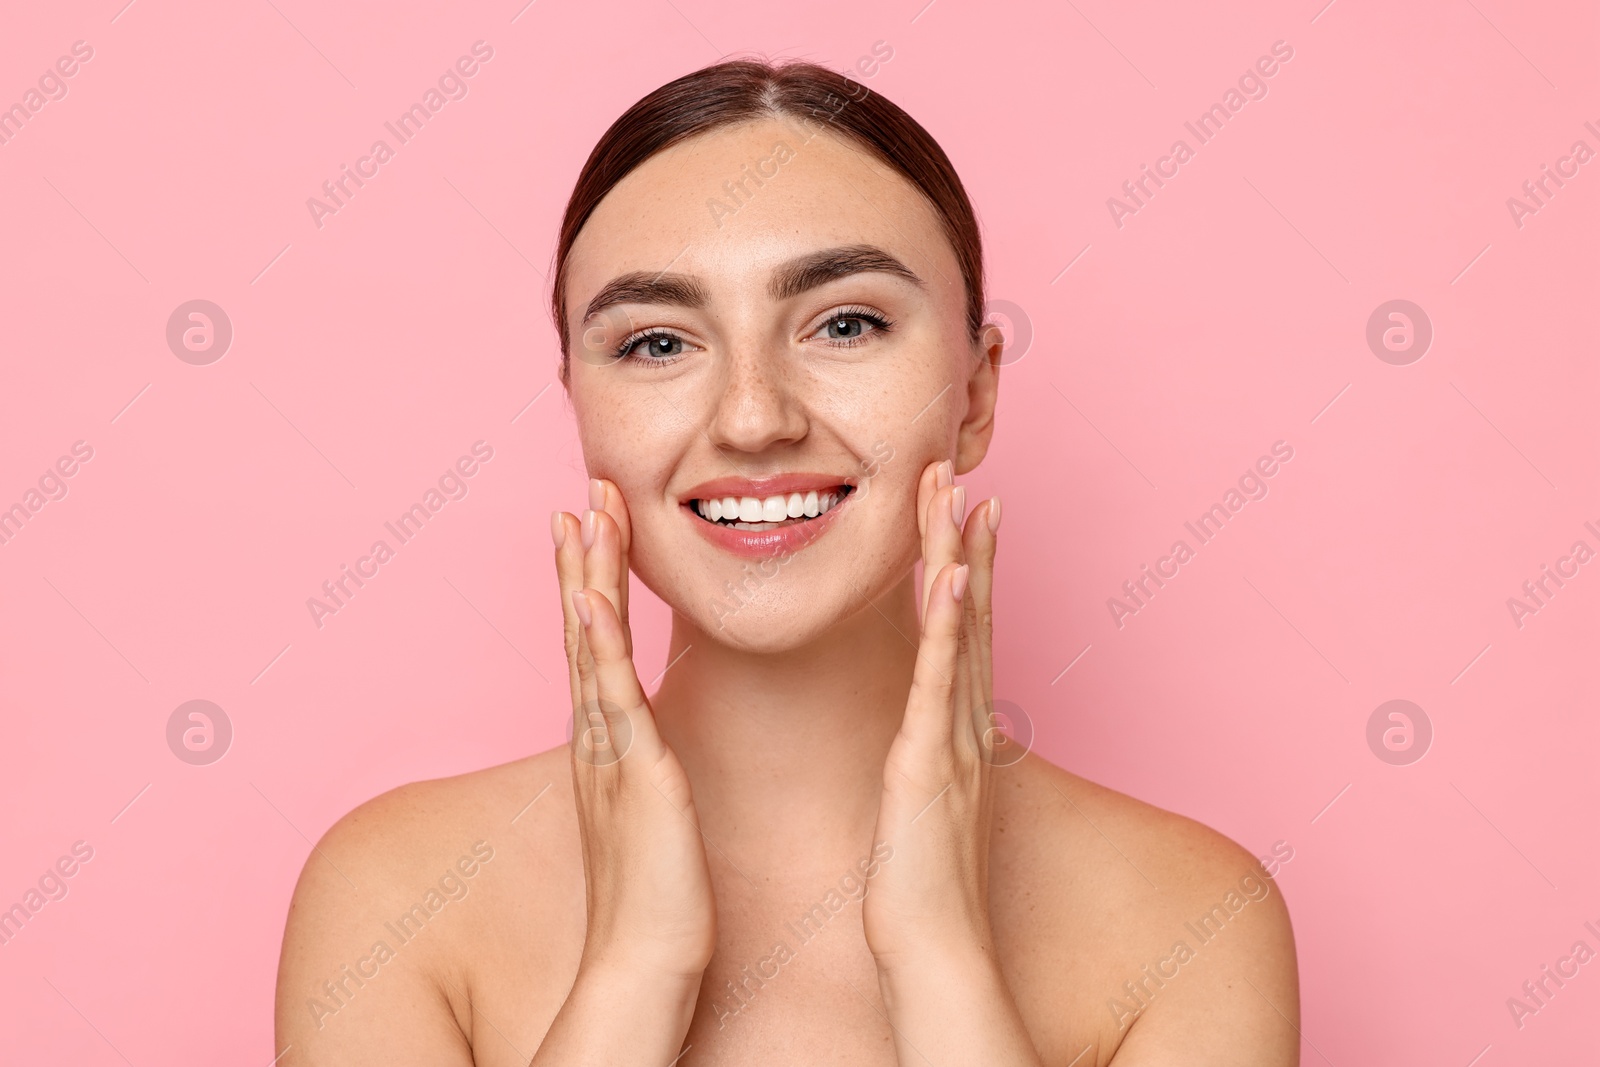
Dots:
{"x": 934, "y": 813}
{"x": 926, "y": 915}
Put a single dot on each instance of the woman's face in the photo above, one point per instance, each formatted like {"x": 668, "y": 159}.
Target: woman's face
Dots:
{"x": 770, "y": 322}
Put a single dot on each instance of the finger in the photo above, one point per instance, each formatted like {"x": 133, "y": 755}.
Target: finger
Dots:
{"x": 979, "y": 541}
{"x": 933, "y": 681}
{"x": 941, "y": 541}
{"x": 618, "y": 691}
{"x": 605, "y": 496}
{"x": 934, "y": 477}
{"x": 569, "y": 579}
{"x": 603, "y": 568}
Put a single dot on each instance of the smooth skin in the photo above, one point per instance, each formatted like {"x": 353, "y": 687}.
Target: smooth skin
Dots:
{"x": 645, "y": 876}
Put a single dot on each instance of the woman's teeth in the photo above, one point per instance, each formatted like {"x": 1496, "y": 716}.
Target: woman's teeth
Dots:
{"x": 752, "y": 513}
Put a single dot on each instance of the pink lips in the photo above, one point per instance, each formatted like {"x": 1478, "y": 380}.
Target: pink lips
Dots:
{"x": 764, "y": 544}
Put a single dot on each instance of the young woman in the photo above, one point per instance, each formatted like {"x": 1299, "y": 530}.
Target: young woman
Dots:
{"x": 810, "y": 844}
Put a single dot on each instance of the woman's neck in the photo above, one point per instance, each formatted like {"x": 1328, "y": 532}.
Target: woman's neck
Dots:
{"x": 777, "y": 746}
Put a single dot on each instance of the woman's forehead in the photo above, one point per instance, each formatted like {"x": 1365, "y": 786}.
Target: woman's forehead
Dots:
{"x": 731, "y": 205}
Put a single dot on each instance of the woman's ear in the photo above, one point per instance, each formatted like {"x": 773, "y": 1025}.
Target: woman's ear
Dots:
{"x": 983, "y": 390}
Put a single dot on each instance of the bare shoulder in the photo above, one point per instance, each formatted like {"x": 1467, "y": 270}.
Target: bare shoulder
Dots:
{"x": 1180, "y": 938}
{"x": 404, "y": 895}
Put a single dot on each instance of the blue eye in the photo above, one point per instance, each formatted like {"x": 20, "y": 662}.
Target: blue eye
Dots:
{"x": 851, "y": 326}
{"x": 651, "y": 348}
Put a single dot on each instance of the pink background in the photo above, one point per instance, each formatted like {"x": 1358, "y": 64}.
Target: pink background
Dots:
{"x": 1228, "y": 313}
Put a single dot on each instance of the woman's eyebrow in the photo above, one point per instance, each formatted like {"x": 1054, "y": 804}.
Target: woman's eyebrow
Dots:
{"x": 818, "y": 268}
{"x": 789, "y": 279}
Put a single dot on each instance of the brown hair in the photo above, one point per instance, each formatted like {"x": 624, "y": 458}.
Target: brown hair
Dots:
{"x": 745, "y": 90}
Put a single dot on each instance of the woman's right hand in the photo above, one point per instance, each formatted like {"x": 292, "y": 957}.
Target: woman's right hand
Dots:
{"x": 651, "y": 913}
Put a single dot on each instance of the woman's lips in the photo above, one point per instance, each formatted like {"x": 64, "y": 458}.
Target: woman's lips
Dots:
{"x": 783, "y": 540}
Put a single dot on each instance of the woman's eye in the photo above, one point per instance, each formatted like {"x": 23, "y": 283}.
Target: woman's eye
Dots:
{"x": 851, "y": 327}
{"x": 661, "y": 346}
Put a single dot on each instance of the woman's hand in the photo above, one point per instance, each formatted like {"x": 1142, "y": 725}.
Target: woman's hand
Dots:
{"x": 926, "y": 916}
{"x": 651, "y": 914}
{"x": 933, "y": 895}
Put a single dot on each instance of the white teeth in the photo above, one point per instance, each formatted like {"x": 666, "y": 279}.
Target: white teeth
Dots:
{"x": 769, "y": 511}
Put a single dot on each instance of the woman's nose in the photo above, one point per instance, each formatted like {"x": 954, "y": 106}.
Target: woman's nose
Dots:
{"x": 757, "y": 406}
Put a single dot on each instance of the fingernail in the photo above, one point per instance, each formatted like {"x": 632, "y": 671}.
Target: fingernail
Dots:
{"x": 597, "y": 494}
{"x": 587, "y": 528}
{"x": 944, "y": 475}
{"x": 558, "y": 529}
{"x": 958, "y": 504}
{"x": 580, "y": 604}
{"x": 994, "y": 514}
{"x": 958, "y": 583}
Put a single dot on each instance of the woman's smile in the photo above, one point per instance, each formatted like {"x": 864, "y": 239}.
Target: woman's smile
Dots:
{"x": 760, "y": 518}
